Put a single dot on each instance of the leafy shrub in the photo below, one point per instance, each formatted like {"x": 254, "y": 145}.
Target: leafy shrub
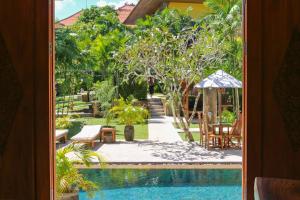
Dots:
{"x": 63, "y": 122}
{"x": 105, "y": 93}
{"x": 136, "y": 89}
{"x": 75, "y": 116}
{"x": 228, "y": 117}
{"x": 129, "y": 114}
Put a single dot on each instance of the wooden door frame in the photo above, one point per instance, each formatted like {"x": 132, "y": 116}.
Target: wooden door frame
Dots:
{"x": 44, "y": 100}
{"x": 252, "y": 98}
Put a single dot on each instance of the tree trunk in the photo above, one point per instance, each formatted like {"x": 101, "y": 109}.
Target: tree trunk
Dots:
{"x": 172, "y": 103}
{"x": 210, "y": 104}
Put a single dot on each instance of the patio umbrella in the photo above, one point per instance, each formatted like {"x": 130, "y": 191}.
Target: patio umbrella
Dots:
{"x": 219, "y": 80}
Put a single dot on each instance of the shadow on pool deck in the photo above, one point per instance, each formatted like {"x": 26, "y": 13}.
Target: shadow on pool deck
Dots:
{"x": 176, "y": 152}
{"x": 187, "y": 152}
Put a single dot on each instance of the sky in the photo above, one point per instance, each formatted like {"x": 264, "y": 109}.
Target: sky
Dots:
{"x": 65, "y": 8}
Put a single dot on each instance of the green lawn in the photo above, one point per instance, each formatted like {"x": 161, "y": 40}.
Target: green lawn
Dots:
{"x": 77, "y": 106}
{"x": 141, "y": 130}
{"x": 196, "y": 135}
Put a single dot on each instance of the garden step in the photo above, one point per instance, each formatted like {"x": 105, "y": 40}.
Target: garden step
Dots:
{"x": 161, "y": 108}
{"x": 157, "y": 116}
{"x": 156, "y": 106}
{"x": 157, "y": 110}
{"x": 157, "y": 113}
{"x": 155, "y": 103}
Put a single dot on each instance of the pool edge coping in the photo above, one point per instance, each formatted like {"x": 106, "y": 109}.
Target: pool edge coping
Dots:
{"x": 163, "y": 166}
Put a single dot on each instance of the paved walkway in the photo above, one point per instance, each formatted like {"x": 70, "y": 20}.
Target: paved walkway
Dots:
{"x": 164, "y": 152}
{"x": 162, "y": 130}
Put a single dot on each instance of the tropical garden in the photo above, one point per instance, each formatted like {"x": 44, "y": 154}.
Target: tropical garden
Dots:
{"x": 103, "y": 67}
{"x": 108, "y": 60}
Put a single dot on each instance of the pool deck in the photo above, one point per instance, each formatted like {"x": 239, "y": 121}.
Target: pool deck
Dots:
{"x": 161, "y": 153}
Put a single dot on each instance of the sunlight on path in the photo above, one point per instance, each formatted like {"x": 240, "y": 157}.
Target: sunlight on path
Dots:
{"x": 162, "y": 130}
{"x": 165, "y": 152}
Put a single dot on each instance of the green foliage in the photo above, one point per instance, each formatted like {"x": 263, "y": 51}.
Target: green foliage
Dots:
{"x": 226, "y": 21}
{"x": 228, "y": 117}
{"x": 105, "y": 18}
{"x": 129, "y": 114}
{"x": 63, "y": 122}
{"x": 134, "y": 88}
{"x": 70, "y": 66}
{"x": 68, "y": 178}
{"x": 141, "y": 130}
{"x": 99, "y": 35}
{"x": 105, "y": 93}
{"x": 170, "y": 20}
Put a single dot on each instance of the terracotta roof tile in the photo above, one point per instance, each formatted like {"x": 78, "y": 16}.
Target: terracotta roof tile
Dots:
{"x": 70, "y": 20}
{"x": 123, "y": 13}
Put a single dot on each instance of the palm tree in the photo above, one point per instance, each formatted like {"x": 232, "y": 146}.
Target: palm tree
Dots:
{"x": 226, "y": 20}
{"x": 68, "y": 178}
{"x": 222, "y": 7}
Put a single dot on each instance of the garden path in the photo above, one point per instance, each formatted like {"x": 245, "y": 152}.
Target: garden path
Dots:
{"x": 161, "y": 129}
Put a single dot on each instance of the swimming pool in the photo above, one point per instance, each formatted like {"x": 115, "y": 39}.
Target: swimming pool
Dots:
{"x": 165, "y": 184}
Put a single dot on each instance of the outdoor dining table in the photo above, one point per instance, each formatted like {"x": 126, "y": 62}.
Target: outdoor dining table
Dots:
{"x": 221, "y": 129}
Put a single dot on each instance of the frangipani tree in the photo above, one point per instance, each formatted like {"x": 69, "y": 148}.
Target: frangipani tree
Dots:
{"x": 177, "y": 61}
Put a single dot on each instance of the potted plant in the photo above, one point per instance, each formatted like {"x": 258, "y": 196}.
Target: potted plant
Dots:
{"x": 68, "y": 179}
{"x": 129, "y": 115}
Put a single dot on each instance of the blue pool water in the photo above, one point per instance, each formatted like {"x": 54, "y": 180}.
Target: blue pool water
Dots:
{"x": 128, "y": 184}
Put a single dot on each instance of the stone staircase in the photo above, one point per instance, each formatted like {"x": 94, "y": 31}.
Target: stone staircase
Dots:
{"x": 156, "y": 108}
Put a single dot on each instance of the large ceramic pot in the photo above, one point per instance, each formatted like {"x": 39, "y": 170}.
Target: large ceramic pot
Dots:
{"x": 129, "y": 133}
{"x": 70, "y": 196}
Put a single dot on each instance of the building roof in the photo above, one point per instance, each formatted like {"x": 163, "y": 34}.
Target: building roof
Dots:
{"x": 149, "y": 7}
{"x": 70, "y": 20}
{"x": 124, "y": 11}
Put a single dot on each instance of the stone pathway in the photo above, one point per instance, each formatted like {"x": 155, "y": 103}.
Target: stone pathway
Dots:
{"x": 162, "y": 130}
{"x": 160, "y": 127}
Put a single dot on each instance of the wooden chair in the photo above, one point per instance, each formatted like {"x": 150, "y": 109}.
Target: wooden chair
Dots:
{"x": 208, "y": 136}
{"x": 221, "y": 133}
{"x": 235, "y": 133}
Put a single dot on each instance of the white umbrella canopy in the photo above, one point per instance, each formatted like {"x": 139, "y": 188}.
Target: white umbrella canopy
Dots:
{"x": 220, "y": 79}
